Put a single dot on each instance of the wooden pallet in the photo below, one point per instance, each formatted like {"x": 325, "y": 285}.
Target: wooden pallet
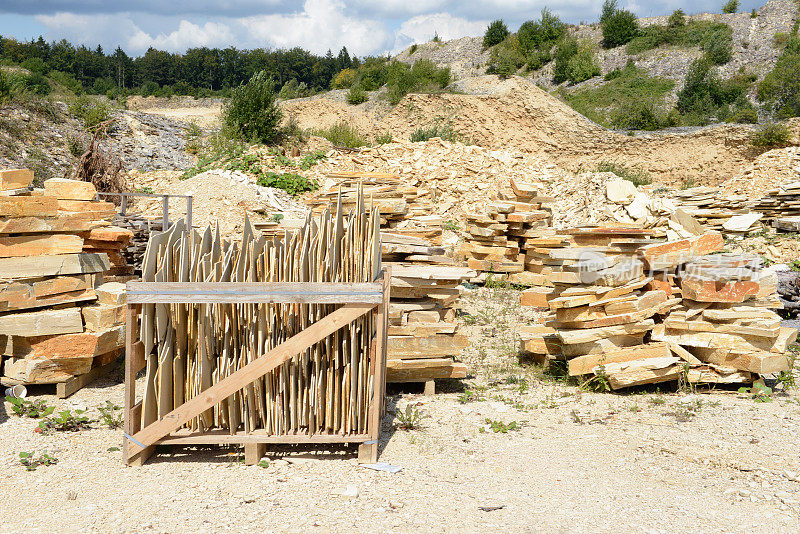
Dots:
{"x": 357, "y": 300}
{"x": 70, "y": 386}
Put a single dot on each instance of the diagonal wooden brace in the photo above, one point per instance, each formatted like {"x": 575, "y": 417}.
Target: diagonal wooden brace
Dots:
{"x": 246, "y": 375}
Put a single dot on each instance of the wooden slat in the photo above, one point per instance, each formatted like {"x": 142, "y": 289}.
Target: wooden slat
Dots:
{"x": 223, "y": 437}
{"x": 247, "y": 375}
{"x": 253, "y": 293}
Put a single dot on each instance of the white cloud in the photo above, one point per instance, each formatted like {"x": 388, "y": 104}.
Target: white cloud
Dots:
{"x": 422, "y": 28}
{"x": 321, "y": 25}
{"x": 188, "y": 35}
{"x": 88, "y": 29}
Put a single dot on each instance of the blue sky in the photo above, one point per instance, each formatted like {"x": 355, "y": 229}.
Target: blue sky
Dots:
{"x": 364, "y": 26}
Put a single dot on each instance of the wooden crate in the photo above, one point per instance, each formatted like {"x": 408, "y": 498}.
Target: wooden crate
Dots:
{"x": 357, "y": 300}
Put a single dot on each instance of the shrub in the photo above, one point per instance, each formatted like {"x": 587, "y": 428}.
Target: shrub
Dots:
{"x": 149, "y": 88}
{"x": 344, "y": 79}
{"x": 754, "y": 14}
{"x": 356, "y": 95}
{"x": 705, "y": 96}
{"x": 383, "y": 138}
{"x": 541, "y": 34}
{"x": 719, "y": 47}
{"x": 583, "y": 65}
{"x": 412, "y": 49}
{"x": 780, "y": 88}
{"x": 35, "y": 64}
{"x": 715, "y": 39}
{"x": 637, "y": 176}
{"x": 342, "y": 134}
{"x": 506, "y": 58}
{"x": 252, "y": 111}
{"x": 5, "y": 88}
{"x": 34, "y": 83}
{"x": 642, "y": 115}
{"x": 677, "y": 19}
{"x": 443, "y": 130}
{"x": 495, "y": 34}
{"x": 538, "y": 59}
{"x": 293, "y": 89}
{"x": 745, "y": 115}
{"x": 424, "y": 75}
{"x": 618, "y": 25}
{"x": 292, "y": 183}
{"x": 771, "y": 135}
{"x": 90, "y": 110}
{"x": 565, "y": 50}
{"x": 629, "y": 91}
{"x": 372, "y": 74}
{"x": 731, "y": 6}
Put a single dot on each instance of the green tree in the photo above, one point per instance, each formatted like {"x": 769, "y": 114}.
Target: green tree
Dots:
{"x": 565, "y": 50}
{"x": 780, "y": 88}
{"x": 252, "y": 111}
{"x": 731, "y": 6}
{"x": 540, "y": 34}
{"x": 618, "y": 25}
{"x": 496, "y": 33}
{"x": 677, "y": 19}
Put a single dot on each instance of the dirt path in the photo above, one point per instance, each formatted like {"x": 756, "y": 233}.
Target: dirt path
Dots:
{"x": 581, "y": 462}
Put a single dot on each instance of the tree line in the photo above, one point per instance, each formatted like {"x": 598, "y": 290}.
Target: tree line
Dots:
{"x": 199, "y": 71}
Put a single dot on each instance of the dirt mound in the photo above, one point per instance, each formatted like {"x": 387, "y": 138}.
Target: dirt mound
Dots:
{"x": 518, "y": 115}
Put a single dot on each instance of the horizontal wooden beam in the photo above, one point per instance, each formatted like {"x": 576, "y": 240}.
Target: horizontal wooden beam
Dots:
{"x": 253, "y": 293}
{"x": 223, "y": 437}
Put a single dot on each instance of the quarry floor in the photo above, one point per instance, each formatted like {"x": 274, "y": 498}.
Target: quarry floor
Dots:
{"x": 648, "y": 460}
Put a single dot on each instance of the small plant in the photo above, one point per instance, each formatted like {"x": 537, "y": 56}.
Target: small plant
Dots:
{"x": 411, "y": 418}
{"x": 309, "y": 160}
{"x": 75, "y": 146}
{"x": 146, "y": 190}
{"x": 598, "y": 383}
{"x": 34, "y": 409}
{"x": 499, "y": 427}
{"x": 754, "y": 14}
{"x": 64, "y": 421}
{"x": 759, "y": 392}
{"x": 356, "y": 95}
{"x": 263, "y": 463}
{"x": 277, "y": 217}
{"x": 383, "y": 138}
{"x": 688, "y": 183}
{"x": 684, "y": 411}
{"x": 194, "y": 139}
{"x": 91, "y": 111}
{"x": 342, "y": 134}
{"x": 31, "y": 461}
{"x": 636, "y": 175}
{"x": 657, "y": 401}
{"x": 292, "y": 183}
{"x": 451, "y": 225}
{"x": 470, "y": 395}
{"x": 412, "y": 49}
{"x": 109, "y": 415}
{"x": 443, "y": 130}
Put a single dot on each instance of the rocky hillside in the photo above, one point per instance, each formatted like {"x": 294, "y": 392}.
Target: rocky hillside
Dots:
{"x": 754, "y": 49}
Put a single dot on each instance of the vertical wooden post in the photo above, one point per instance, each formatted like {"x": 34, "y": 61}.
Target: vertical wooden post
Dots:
{"x": 131, "y": 314}
{"x": 132, "y": 416}
{"x": 368, "y": 452}
{"x": 253, "y": 452}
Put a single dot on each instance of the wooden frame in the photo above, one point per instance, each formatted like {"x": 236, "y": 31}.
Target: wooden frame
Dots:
{"x": 357, "y": 299}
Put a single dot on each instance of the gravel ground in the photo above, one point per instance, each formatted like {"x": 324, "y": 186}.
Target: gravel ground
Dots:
{"x": 645, "y": 461}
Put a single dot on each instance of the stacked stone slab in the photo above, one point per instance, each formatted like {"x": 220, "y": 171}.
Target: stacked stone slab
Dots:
{"x": 783, "y": 201}
{"x": 401, "y": 204}
{"x": 140, "y": 228}
{"x": 57, "y": 319}
{"x": 423, "y": 335}
{"x": 725, "y": 323}
{"x": 497, "y": 241}
{"x": 602, "y": 311}
{"x": 670, "y": 311}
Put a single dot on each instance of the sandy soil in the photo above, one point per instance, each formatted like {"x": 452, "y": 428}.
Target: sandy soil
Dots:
{"x": 581, "y": 462}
